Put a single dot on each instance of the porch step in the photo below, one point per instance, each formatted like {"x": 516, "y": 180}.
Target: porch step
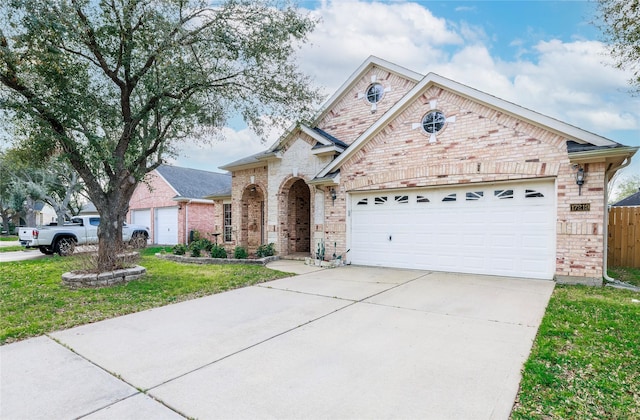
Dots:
{"x": 296, "y": 256}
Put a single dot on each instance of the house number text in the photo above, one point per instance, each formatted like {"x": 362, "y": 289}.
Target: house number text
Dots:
{"x": 581, "y": 207}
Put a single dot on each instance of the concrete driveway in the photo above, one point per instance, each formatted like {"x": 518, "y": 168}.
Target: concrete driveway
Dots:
{"x": 352, "y": 342}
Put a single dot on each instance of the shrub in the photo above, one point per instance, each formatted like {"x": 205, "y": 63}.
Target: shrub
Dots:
{"x": 218, "y": 252}
{"x": 266, "y": 250}
{"x": 179, "y": 249}
{"x": 195, "y": 251}
{"x": 240, "y": 253}
{"x": 200, "y": 245}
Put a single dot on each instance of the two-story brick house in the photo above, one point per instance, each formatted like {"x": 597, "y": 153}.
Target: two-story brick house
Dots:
{"x": 404, "y": 170}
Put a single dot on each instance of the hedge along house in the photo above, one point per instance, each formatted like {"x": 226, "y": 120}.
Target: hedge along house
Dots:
{"x": 173, "y": 202}
{"x": 404, "y": 170}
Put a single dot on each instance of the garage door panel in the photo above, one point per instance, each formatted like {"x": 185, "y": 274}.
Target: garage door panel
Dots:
{"x": 166, "y": 225}
{"x": 486, "y": 234}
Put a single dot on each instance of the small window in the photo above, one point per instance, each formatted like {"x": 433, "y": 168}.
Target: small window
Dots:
{"x": 475, "y": 196}
{"x": 363, "y": 202}
{"x": 374, "y": 93}
{"x": 227, "y": 222}
{"x": 532, "y": 194}
{"x": 503, "y": 194}
{"x": 402, "y": 199}
{"x": 433, "y": 122}
{"x": 450, "y": 197}
{"x": 380, "y": 200}
{"x": 94, "y": 221}
{"x": 422, "y": 199}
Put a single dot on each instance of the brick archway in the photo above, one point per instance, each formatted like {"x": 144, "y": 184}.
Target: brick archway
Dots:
{"x": 296, "y": 223}
{"x": 252, "y": 222}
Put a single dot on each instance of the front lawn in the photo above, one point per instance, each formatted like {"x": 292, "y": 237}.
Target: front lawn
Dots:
{"x": 8, "y": 238}
{"x": 628, "y": 275}
{"x": 11, "y": 248}
{"x": 33, "y": 300}
{"x": 585, "y": 362}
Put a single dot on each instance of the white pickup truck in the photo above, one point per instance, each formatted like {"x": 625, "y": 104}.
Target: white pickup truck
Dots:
{"x": 81, "y": 231}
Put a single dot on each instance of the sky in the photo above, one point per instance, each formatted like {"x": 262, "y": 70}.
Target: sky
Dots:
{"x": 543, "y": 55}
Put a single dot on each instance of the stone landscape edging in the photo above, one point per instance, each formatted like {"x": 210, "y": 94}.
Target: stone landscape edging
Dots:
{"x": 77, "y": 280}
{"x": 220, "y": 261}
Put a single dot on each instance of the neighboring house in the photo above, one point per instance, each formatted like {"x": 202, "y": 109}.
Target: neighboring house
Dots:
{"x": 172, "y": 202}
{"x": 89, "y": 209}
{"x": 631, "y": 201}
{"x": 44, "y": 213}
{"x": 404, "y": 170}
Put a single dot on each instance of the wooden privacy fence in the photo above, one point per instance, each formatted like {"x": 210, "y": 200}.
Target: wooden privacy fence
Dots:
{"x": 624, "y": 237}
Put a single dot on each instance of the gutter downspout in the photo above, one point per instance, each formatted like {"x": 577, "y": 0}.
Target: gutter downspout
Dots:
{"x": 186, "y": 222}
{"x": 614, "y": 282}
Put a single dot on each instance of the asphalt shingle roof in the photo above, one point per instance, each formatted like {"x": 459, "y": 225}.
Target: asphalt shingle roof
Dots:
{"x": 329, "y": 137}
{"x": 195, "y": 183}
{"x": 632, "y": 200}
{"x": 574, "y": 147}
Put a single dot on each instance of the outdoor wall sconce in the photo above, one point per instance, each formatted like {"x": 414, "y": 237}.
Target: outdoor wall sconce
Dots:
{"x": 580, "y": 176}
{"x": 333, "y": 194}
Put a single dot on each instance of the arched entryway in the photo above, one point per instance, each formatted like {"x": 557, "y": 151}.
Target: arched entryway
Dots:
{"x": 252, "y": 231}
{"x": 298, "y": 211}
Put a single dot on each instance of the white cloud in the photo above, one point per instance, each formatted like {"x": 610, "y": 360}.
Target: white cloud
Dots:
{"x": 231, "y": 145}
{"x": 350, "y": 31}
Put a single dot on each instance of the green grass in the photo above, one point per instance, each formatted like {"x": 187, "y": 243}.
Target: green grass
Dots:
{"x": 8, "y": 238}
{"x": 11, "y": 248}
{"x": 585, "y": 362}
{"x": 628, "y": 275}
{"x": 33, "y": 300}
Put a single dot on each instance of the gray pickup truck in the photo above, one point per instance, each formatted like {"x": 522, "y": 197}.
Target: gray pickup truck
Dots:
{"x": 82, "y": 230}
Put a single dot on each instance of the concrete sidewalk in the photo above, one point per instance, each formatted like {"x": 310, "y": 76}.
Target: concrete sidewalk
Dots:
{"x": 332, "y": 343}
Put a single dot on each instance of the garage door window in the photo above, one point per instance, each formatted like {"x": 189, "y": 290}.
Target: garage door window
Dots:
{"x": 422, "y": 199}
{"x": 474, "y": 196}
{"x": 503, "y": 194}
{"x": 363, "y": 202}
{"x": 380, "y": 200}
{"x": 449, "y": 198}
{"x": 402, "y": 199}
{"x": 533, "y": 194}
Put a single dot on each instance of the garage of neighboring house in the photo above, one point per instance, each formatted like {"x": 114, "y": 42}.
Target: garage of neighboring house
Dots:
{"x": 141, "y": 217}
{"x": 166, "y": 225}
{"x": 173, "y": 202}
{"x": 503, "y": 229}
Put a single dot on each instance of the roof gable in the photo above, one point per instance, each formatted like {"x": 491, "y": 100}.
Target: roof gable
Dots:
{"x": 195, "y": 183}
{"x": 370, "y": 64}
{"x": 432, "y": 80}
{"x": 355, "y": 77}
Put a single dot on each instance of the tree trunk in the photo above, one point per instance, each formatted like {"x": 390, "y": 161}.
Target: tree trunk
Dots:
{"x": 60, "y": 214}
{"x": 112, "y": 207}
{"x": 109, "y": 240}
{"x": 5, "y": 221}
{"x": 30, "y": 213}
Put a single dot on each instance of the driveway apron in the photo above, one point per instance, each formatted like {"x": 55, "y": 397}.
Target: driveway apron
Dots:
{"x": 351, "y": 342}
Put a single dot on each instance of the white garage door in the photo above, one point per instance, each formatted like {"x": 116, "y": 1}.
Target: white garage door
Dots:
{"x": 498, "y": 229}
{"x": 141, "y": 217}
{"x": 166, "y": 226}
